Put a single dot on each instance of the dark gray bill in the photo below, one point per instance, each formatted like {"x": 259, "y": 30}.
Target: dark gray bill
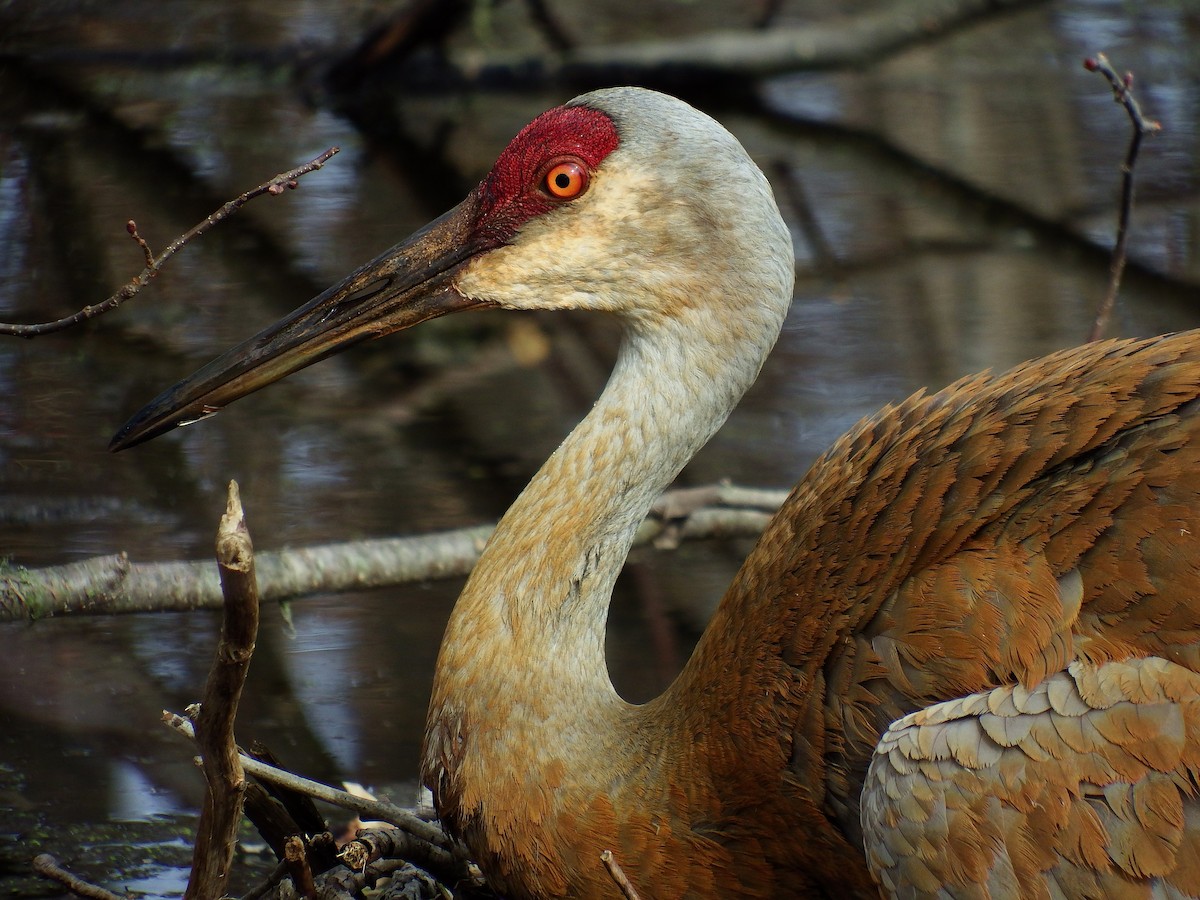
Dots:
{"x": 412, "y": 282}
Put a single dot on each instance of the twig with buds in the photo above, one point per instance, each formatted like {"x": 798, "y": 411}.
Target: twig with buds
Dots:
{"x": 277, "y": 185}
{"x": 1122, "y": 87}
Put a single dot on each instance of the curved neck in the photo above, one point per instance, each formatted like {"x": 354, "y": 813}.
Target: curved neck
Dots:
{"x": 538, "y": 598}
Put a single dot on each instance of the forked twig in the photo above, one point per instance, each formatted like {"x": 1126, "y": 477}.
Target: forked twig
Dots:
{"x": 277, "y": 185}
{"x": 1122, "y": 87}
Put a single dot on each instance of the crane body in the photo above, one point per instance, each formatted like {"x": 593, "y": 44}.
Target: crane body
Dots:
{"x": 962, "y": 659}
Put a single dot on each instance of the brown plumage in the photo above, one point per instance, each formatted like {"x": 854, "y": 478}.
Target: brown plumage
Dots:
{"x": 960, "y": 662}
{"x": 1024, "y": 531}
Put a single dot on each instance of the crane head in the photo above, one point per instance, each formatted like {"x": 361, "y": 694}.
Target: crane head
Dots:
{"x": 604, "y": 203}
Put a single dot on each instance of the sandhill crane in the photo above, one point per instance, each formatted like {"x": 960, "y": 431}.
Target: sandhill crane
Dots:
{"x": 961, "y": 661}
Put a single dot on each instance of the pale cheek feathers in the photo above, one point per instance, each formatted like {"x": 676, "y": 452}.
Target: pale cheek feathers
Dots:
{"x": 607, "y": 250}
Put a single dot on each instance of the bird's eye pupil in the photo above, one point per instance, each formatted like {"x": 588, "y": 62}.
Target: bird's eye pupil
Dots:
{"x": 565, "y": 180}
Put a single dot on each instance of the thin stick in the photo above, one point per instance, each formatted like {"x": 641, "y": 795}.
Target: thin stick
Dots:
{"x": 225, "y": 788}
{"x": 277, "y": 185}
{"x": 1122, "y": 88}
{"x": 46, "y": 865}
{"x": 374, "y": 809}
{"x": 618, "y": 875}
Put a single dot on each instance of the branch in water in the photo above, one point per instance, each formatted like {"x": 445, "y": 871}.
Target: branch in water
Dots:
{"x": 114, "y": 584}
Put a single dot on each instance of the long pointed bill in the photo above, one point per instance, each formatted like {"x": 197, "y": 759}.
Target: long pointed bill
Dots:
{"x": 412, "y": 282}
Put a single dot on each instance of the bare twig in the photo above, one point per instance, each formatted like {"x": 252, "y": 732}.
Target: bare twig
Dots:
{"x": 131, "y": 227}
{"x": 46, "y": 865}
{"x": 1122, "y": 87}
{"x": 618, "y": 875}
{"x": 364, "y": 806}
{"x": 225, "y": 788}
{"x": 277, "y": 185}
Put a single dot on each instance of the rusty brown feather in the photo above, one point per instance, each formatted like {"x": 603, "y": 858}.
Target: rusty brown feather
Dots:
{"x": 1012, "y": 560}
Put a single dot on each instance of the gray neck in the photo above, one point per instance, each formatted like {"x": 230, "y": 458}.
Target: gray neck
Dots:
{"x": 545, "y": 580}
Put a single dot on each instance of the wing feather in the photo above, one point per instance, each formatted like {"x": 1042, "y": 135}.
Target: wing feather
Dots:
{"x": 1114, "y": 806}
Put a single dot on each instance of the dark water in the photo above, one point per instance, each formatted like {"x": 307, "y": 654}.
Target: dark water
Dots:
{"x": 942, "y": 226}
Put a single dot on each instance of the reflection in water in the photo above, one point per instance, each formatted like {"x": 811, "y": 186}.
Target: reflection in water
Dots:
{"x": 14, "y": 174}
{"x": 906, "y": 279}
{"x": 323, "y": 664}
{"x": 135, "y": 798}
{"x": 313, "y": 462}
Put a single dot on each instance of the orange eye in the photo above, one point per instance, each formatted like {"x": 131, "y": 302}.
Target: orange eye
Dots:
{"x": 567, "y": 180}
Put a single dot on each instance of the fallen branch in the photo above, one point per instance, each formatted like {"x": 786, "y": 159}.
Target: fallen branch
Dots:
{"x": 843, "y": 41}
{"x": 47, "y": 866}
{"x": 225, "y": 782}
{"x": 374, "y": 844}
{"x": 277, "y": 185}
{"x": 114, "y": 584}
{"x": 1122, "y": 88}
